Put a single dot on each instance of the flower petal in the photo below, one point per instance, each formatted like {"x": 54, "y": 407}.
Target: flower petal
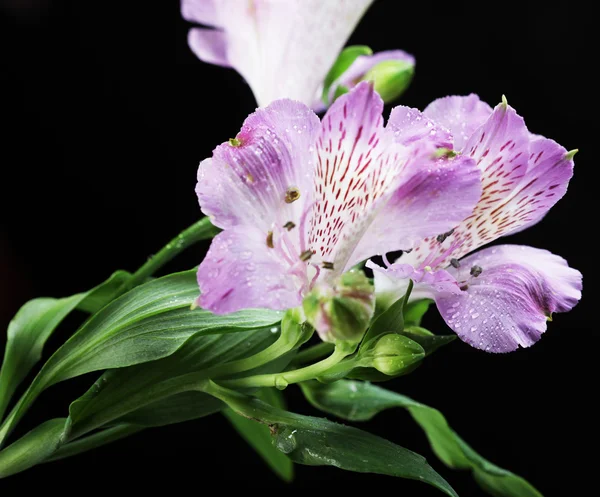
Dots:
{"x": 522, "y": 177}
{"x": 394, "y": 279}
{"x": 241, "y": 272}
{"x": 209, "y": 45}
{"x": 200, "y": 11}
{"x": 246, "y": 183}
{"x": 356, "y": 164}
{"x": 548, "y": 173}
{"x": 434, "y": 197}
{"x": 508, "y": 304}
{"x": 461, "y": 115}
{"x": 410, "y": 126}
{"x": 283, "y": 49}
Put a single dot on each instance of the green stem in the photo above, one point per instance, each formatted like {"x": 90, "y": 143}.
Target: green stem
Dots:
{"x": 281, "y": 380}
{"x": 201, "y": 230}
{"x": 313, "y": 353}
{"x": 96, "y": 440}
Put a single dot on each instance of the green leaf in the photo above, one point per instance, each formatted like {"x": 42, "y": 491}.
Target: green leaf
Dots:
{"x": 414, "y": 311}
{"x": 149, "y": 322}
{"x": 32, "y": 449}
{"x": 126, "y": 394}
{"x": 390, "y": 320}
{"x": 35, "y": 322}
{"x": 343, "y": 62}
{"x": 359, "y": 401}
{"x": 258, "y": 435}
{"x": 319, "y": 442}
{"x": 426, "y": 339}
{"x": 98, "y": 439}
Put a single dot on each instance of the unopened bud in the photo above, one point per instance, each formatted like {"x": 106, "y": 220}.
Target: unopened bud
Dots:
{"x": 395, "y": 354}
{"x": 391, "y": 78}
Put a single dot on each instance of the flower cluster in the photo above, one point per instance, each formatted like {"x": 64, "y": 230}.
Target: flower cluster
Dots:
{"x": 302, "y": 200}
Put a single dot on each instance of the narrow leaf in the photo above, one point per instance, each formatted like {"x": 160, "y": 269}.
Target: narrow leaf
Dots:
{"x": 32, "y": 449}
{"x": 319, "y": 442}
{"x": 414, "y": 311}
{"x": 126, "y": 394}
{"x": 149, "y": 322}
{"x": 359, "y": 401}
{"x": 33, "y": 325}
{"x": 389, "y": 321}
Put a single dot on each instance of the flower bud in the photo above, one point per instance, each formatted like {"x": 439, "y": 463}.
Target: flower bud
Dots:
{"x": 390, "y": 71}
{"x": 343, "y": 309}
{"x": 391, "y": 78}
{"x": 395, "y": 354}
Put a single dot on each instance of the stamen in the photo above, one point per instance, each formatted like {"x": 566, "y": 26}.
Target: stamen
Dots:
{"x": 270, "y": 243}
{"x": 289, "y": 225}
{"x": 234, "y": 142}
{"x": 441, "y": 238}
{"x": 464, "y": 287}
{"x": 455, "y": 263}
{"x": 476, "y": 271}
{"x": 292, "y": 194}
{"x": 327, "y": 265}
{"x": 249, "y": 178}
{"x": 306, "y": 255}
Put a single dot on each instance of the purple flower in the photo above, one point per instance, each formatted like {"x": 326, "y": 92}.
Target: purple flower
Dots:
{"x": 500, "y": 297}
{"x": 283, "y": 49}
{"x": 301, "y": 200}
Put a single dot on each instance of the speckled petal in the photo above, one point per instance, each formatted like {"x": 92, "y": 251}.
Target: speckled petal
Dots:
{"x": 522, "y": 175}
{"x": 240, "y": 272}
{"x": 356, "y": 163}
{"x": 461, "y": 115}
{"x": 508, "y": 304}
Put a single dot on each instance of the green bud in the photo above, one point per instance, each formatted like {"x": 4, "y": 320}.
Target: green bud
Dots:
{"x": 341, "y": 310}
{"x": 395, "y": 354}
{"x": 391, "y": 78}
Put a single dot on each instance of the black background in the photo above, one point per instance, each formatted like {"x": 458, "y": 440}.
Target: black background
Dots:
{"x": 105, "y": 114}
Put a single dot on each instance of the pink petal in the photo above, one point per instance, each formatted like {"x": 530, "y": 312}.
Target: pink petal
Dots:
{"x": 509, "y": 303}
{"x": 241, "y": 272}
{"x": 461, "y": 115}
{"x": 522, "y": 177}
{"x": 246, "y": 183}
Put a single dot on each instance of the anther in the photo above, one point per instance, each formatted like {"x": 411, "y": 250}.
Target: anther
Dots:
{"x": 292, "y": 194}
{"x": 270, "y": 240}
{"x": 327, "y": 265}
{"x": 443, "y": 236}
{"x": 306, "y": 255}
{"x": 234, "y": 142}
{"x": 289, "y": 225}
{"x": 476, "y": 271}
{"x": 455, "y": 263}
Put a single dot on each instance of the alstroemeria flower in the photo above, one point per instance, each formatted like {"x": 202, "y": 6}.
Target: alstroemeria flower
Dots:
{"x": 283, "y": 49}
{"x": 301, "y": 200}
{"x": 501, "y": 297}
